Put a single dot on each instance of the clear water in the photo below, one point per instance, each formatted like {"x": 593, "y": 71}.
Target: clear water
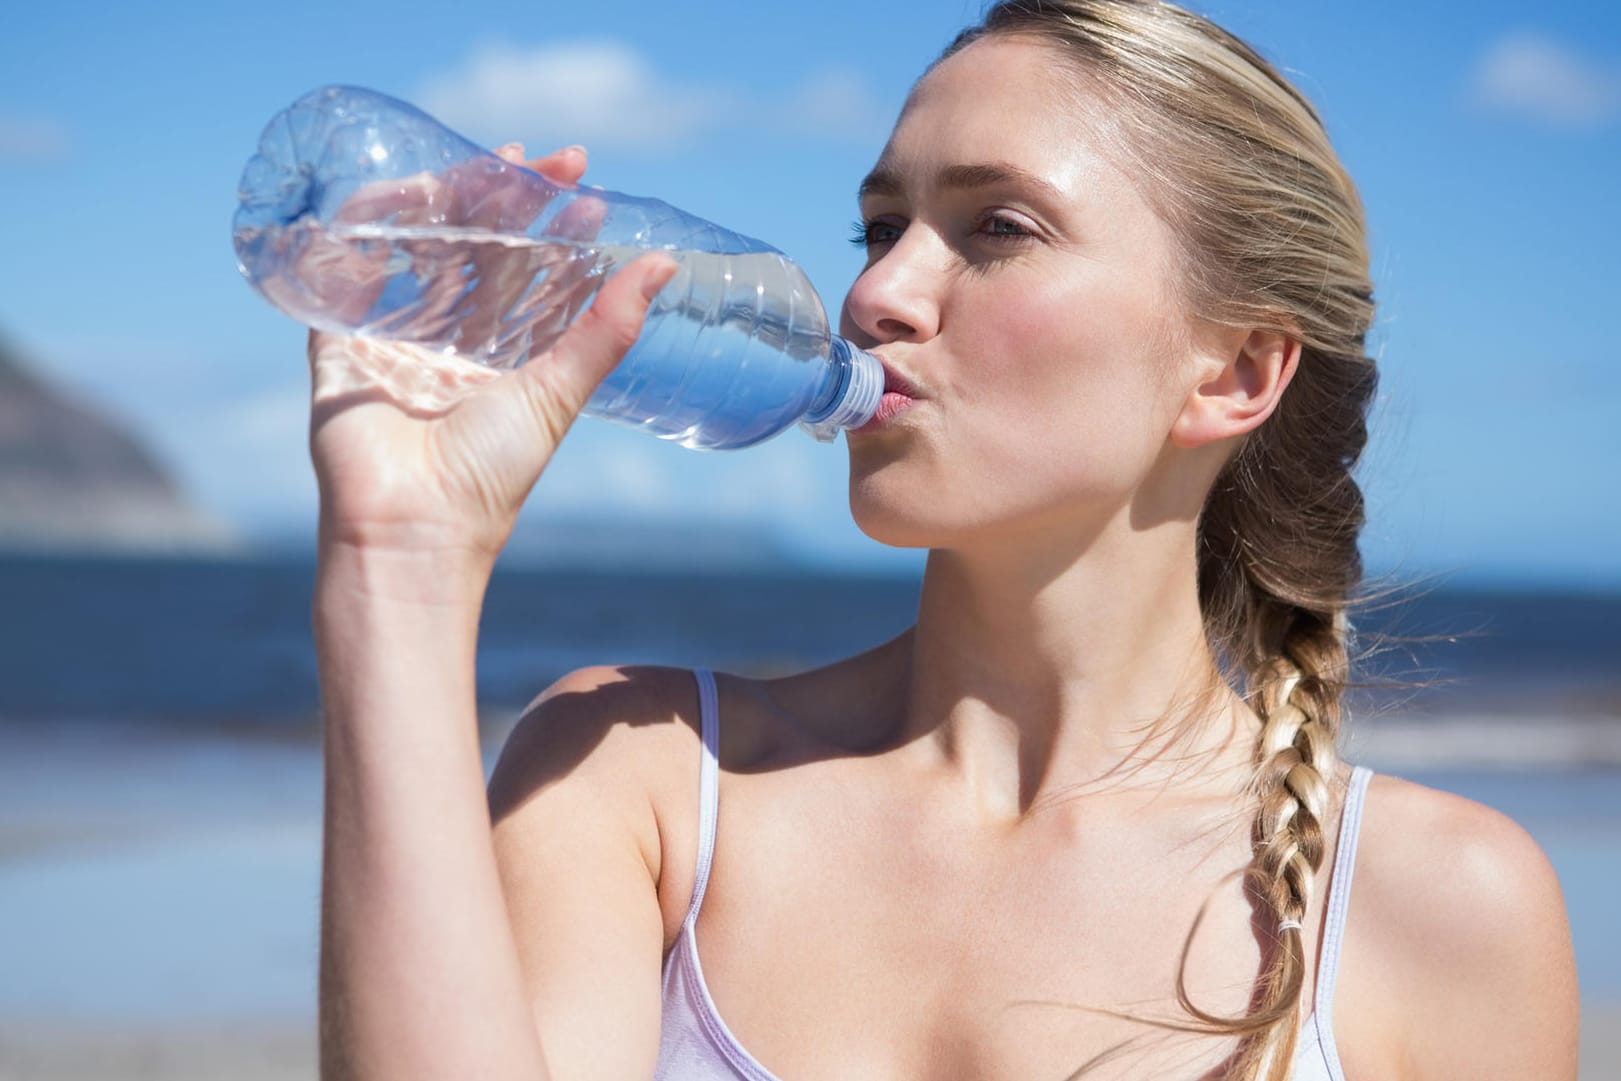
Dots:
{"x": 734, "y": 349}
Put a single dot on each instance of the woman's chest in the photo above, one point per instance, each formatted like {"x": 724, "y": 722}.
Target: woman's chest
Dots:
{"x": 861, "y": 946}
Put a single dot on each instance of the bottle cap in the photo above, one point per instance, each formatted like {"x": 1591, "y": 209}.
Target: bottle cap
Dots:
{"x": 861, "y": 387}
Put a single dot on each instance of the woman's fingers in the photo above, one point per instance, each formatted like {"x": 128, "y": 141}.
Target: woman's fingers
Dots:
{"x": 565, "y": 166}
{"x": 475, "y": 199}
{"x": 425, "y": 191}
{"x": 501, "y": 278}
{"x": 580, "y": 220}
{"x": 382, "y": 199}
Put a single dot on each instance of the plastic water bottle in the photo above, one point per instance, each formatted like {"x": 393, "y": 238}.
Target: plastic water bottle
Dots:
{"x": 363, "y": 215}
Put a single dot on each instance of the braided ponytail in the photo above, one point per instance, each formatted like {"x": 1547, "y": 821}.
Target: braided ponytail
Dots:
{"x": 1278, "y": 564}
{"x": 1271, "y": 236}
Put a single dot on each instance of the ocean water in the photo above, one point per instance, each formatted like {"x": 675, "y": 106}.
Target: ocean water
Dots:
{"x": 221, "y": 641}
{"x": 160, "y": 802}
{"x": 214, "y": 642}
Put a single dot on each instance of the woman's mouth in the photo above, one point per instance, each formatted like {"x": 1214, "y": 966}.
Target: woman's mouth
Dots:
{"x": 900, "y": 394}
{"x": 890, "y": 406}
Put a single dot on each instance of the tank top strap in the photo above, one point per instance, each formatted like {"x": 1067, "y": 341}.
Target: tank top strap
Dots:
{"x": 1339, "y": 893}
{"x": 708, "y": 786}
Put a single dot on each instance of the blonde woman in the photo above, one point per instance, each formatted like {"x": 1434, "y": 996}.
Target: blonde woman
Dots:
{"x": 1085, "y": 818}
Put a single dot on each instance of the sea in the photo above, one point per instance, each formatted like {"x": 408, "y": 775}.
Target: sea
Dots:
{"x": 160, "y": 780}
{"x": 227, "y": 642}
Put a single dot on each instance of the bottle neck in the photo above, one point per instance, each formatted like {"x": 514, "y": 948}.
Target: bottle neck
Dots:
{"x": 854, "y": 386}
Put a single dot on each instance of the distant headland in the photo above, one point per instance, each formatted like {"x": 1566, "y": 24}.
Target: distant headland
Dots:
{"x": 72, "y": 479}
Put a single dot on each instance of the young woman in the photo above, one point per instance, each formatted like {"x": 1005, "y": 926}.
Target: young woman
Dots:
{"x": 1086, "y": 817}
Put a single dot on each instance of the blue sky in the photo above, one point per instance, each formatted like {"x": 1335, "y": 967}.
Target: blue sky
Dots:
{"x": 1486, "y": 138}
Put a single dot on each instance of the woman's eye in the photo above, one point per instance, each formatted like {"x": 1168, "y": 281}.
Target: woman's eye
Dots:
{"x": 1001, "y": 228}
{"x": 864, "y": 234}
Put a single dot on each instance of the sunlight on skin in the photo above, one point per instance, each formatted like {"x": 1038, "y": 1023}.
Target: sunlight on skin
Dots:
{"x": 419, "y": 381}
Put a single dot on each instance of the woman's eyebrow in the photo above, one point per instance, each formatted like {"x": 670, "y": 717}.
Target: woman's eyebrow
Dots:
{"x": 885, "y": 181}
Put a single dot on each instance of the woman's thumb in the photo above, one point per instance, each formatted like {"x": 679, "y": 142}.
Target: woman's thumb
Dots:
{"x": 598, "y": 340}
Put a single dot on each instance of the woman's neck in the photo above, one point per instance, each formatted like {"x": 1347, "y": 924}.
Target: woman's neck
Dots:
{"x": 1033, "y": 673}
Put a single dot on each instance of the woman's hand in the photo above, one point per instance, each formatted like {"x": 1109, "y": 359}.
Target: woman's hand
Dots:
{"x": 422, "y": 452}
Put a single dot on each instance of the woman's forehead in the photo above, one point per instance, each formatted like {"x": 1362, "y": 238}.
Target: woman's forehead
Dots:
{"x": 1004, "y": 113}
{"x": 1005, "y": 100}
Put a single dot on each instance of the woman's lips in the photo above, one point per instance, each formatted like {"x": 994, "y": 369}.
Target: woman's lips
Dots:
{"x": 890, "y": 406}
{"x": 900, "y": 394}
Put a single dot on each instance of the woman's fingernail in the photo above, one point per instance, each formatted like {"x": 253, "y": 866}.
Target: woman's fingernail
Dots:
{"x": 576, "y": 147}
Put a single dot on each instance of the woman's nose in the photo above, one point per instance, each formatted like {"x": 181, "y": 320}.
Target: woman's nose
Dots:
{"x": 895, "y": 298}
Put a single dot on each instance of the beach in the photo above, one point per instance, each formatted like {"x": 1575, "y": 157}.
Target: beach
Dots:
{"x": 242, "y": 1051}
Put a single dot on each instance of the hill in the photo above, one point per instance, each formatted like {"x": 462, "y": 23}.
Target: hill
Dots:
{"x": 71, "y": 478}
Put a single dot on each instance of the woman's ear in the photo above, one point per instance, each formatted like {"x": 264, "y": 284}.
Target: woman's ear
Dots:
{"x": 1242, "y": 393}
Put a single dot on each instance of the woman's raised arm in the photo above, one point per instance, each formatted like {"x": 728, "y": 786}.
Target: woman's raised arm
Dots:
{"x": 423, "y": 462}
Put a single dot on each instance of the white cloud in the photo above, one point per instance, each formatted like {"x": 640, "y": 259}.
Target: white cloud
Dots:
{"x": 598, "y": 92}
{"x": 31, "y": 140}
{"x": 1533, "y": 76}
{"x": 605, "y": 93}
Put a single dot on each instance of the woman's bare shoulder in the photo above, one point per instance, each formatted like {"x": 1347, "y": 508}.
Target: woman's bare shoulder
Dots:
{"x": 1458, "y": 866}
{"x": 616, "y": 751}
{"x": 1460, "y": 912}
{"x": 605, "y": 724}
{"x": 639, "y": 726}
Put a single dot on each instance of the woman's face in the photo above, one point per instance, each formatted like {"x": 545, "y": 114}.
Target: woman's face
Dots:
{"x": 1019, "y": 280}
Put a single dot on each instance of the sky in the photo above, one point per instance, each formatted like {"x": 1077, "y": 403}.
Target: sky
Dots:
{"x": 1485, "y": 139}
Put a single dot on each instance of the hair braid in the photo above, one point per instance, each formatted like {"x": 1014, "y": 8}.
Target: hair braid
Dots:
{"x": 1278, "y": 565}
{"x": 1297, "y": 698}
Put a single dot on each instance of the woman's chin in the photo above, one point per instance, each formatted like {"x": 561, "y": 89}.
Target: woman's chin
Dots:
{"x": 899, "y": 526}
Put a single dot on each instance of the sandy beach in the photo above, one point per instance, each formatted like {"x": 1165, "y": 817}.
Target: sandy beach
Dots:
{"x": 235, "y": 1052}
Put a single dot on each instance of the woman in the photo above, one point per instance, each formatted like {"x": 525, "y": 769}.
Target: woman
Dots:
{"x": 1086, "y": 817}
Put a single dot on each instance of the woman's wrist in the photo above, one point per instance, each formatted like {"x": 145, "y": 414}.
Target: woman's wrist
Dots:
{"x": 430, "y": 575}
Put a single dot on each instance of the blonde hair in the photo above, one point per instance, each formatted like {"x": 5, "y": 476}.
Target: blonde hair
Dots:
{"x": 1271, "y": 235}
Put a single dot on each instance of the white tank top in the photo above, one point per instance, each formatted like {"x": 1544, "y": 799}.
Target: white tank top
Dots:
{"x": 696, "y": 1045}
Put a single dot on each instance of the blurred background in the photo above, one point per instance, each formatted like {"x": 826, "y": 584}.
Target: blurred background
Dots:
{"x": 159, "y": 770}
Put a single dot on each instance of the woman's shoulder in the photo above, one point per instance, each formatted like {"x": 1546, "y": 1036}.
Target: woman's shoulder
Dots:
{"x": 624, "y": 744}
{"x": 599, "y": 722}
{"x": 1460, "y": 913}
{"x": 607, "y": 720}
{"x": 1448, "y": 865}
